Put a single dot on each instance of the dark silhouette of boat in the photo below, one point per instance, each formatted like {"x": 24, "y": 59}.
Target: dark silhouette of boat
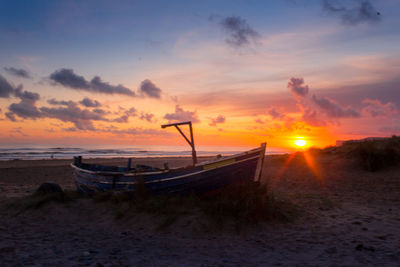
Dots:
{"x": 199, "y": 177}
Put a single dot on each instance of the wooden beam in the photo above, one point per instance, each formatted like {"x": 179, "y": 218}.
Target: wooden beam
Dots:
{"x": 184, "y": 136}
{"x": 190, "y": 142}
{"x": 174, "y": 124}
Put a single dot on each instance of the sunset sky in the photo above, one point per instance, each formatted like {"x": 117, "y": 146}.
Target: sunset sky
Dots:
{"x": 243, "y": 71}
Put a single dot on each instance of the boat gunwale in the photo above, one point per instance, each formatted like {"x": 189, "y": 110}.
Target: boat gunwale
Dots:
{"x": 127, "y": 173}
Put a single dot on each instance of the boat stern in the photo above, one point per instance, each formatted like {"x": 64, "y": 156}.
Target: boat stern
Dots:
{"x": 258, "y": 173}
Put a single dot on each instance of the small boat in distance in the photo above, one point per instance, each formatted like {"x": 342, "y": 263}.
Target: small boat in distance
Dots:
{"x": 199, "y": 177}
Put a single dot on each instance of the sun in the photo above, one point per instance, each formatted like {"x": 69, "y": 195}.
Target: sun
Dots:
{"x": 300, "y": 142}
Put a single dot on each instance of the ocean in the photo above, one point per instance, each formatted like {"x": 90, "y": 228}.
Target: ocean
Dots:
{"x": 33, "y": 152}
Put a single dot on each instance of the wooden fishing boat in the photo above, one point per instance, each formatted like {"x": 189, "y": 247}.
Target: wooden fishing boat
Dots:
{"x": 199, "y": 177}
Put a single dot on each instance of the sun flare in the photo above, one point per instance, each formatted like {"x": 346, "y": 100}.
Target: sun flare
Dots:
{"x": 300, "y": 142}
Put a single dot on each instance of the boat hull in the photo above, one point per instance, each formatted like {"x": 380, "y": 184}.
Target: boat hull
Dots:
{"x": 202, "y": 177}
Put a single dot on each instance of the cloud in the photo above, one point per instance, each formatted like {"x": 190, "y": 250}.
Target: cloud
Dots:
{"x": 18, "y": 130}
{"x": 10, "y": 116}
{"x": 333, "y": 109}
{"x": 26, "y": 95}
{"x": 87, "y": 102}
{"x": 61, "y": 102}
{"x": 148, "y": 88}
{"x": 5, "y": 88}
{"x": 135, "y": 131}
{"x": 181, "y": 115}
{"x": 122, "y": 119}
{"x": 66, "y": 111}
{"x": 296, "y": 85}
{"x": 215, "y": 121}
{"x": 18, "y": 72}
{"x": 390, "y": 129}
{"x": 125, "y": 114}
{"x": 26, "y": 108}
{"x": 147, "y": 117}
{"x": 259, "y": 121}
{"x": 97, "y": 85}
{"x": 314, "y": 111}
{"x": 68, "y": 78}
{"x": 310, "y": 117}
{"x": 364, "y": 11}
{"x": 239, "y": 31}
{"x": 82, "y": 118}
{"x": 309, "y": 113}
{"x": 100, "y": 111}
{"x": 375, "y": 108}
{"x": 275, "y": 114}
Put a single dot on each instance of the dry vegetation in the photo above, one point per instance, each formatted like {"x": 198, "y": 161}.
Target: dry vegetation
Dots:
{"x": 373, "y": 155}
{"x": 244, "y": 204}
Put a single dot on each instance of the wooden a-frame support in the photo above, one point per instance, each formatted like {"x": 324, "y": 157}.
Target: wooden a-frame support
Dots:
{"x": 190, "y": 142}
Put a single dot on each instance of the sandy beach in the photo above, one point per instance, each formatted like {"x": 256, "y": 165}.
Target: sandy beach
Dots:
{"x": 346, "y": 217}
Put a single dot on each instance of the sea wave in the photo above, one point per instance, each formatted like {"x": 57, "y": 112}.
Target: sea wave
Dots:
{"x": 31, "y": 153}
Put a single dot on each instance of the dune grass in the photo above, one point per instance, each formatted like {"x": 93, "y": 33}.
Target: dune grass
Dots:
{"x": 244, "y": 204}
{"x": 39, "y": 200}
{"x": 378, "y": 154}
{"x": 370, "y": 155}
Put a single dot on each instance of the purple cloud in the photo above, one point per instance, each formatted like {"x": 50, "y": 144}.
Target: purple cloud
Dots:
{"x": 239, "y": 31}
{"x": 148, "y": 88}
{"x": 26, "y": 108}
{"x": 147, "y": 117}
{"x": 18, "y": 72}
{"x": 217, "y": 120}
{"x": 364, "y": 11}
{"x": 333, "y": 109}
{"x": 97, "y": 85}
{"x": 6, "y": 88}
{"x": 181, "y": 115}
{"x": 61, "y": 102}
{"x": 375, "y": 108}
{"x": 82, "y": 118}
{"x": 275, "y": 114}
{"x": 68, "y": 78}
{"x": 89, "y": 103}
{"x": 296, "y": 85}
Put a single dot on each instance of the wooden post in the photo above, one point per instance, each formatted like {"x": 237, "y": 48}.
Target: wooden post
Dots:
{"x": 194, "y": 156}
{"x": 190, "y": 142}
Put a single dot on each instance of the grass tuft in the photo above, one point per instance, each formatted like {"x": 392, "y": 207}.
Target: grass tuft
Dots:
{"x": 375, "y": 155}
{"x": 246, "y": 204}
{"x": 243, "y": 204}
{"x": 39, "y": 200}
